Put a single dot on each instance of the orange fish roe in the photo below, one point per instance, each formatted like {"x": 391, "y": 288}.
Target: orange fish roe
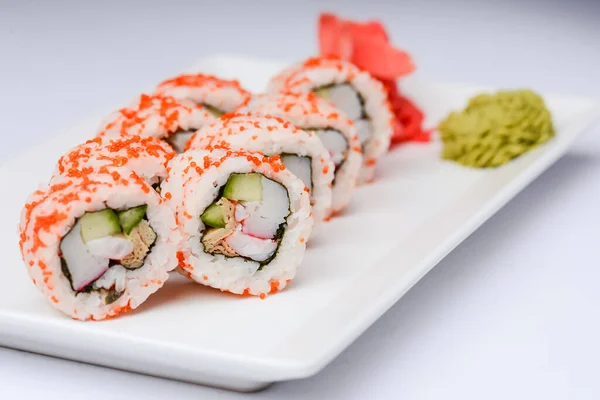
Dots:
{"x": 273, "y": 161}
{"x": 274, "y": 286}
{"x": 290, "y": 78}
{"x": 140, "y": 181}
{"x": 69, "y": 198}
{"x": 29, "y": 207}
{"x": 200, "y": 80}
{"x": 182, "y": 263}
{"x": 44, "y": 223}
{"x": 371, "y": 161}
{"x": 115, "y": 152}
{"x": 263, "y": 296}
{"x": 134, "y": 119}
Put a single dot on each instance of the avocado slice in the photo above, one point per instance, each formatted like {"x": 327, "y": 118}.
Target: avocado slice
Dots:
{"x": 244, "y": 187}
{"x": 99, "y": 224}
{"x": 214, "y": 216}
{"x": 131, "y": 217}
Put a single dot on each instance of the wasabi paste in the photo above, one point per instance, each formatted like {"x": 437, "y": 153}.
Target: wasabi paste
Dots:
{"x": 495, "y": 128}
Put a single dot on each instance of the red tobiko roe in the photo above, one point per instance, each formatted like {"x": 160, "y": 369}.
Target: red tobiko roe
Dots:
{"x": 367, "y": 46}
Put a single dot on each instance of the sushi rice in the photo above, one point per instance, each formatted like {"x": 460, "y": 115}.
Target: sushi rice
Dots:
{"x": 234, "y": 211}
{"x": 163, "y": 117}
{"x": 218, "y": 96}
{"x": 246, "y": 257}
{"x": 146, "y": 156}
{"x": 106, "y": 275}
{"x": 338, "y": 134}
{"x": 301, "y": 152}
{"x": 358, "y": 94}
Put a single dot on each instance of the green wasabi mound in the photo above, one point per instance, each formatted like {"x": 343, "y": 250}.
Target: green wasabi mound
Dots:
{"x": 495, "y": 128}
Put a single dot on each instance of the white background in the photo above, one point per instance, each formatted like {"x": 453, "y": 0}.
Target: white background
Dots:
{"x": 510, "y": 314}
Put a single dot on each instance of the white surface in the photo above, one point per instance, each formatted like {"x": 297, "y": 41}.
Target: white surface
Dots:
{"x": 356, "y": 266}
{"x": 511, "y": 313}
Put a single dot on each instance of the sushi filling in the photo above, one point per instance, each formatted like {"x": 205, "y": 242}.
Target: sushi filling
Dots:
{"x": 334, "y": 142}
{"x": 247, "y": 219}
{"x": 213, "y": 110}
{"x": 102, "y": 246}
{"x": 301, "y": 166}
{"x": 179, "y": 139}
{"x": 345, "y": 97}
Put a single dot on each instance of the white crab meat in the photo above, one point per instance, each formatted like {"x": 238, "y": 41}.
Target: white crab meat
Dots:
{"x": 241, "y": 213}
{"x": 364, "y": 129}
{"x": 265, "y": 217}
{"x": 347, "y": 99}
{"x": 113, "y": 278}
{"x": 251, "y": 247}
{"x": 113, "y": 247}
{"x": 179, "y": 140}
{"x": 336, "y": 143}
{"x": 299, "y": 166}
{"x": 83, "y": 266}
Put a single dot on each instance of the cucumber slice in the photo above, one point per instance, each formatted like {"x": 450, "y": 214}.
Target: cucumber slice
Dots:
{"x": 131, "y": 217}
{"x": 99, "y": 224}
{"x": 244, "y": 187}
{"x": 214, "y": 216}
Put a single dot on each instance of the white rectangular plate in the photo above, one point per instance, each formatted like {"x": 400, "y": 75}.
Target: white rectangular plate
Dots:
{"x": 357, "y": 266}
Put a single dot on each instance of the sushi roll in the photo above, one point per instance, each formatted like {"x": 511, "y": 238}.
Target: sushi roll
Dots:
{"x": 338, "y": 134}
{"x": 244, "y": 219}
{"x": 100, "y": 244}
{"x": 216, "y": 95}
{"x": 301, "y": 152}
{"x": 146, "y": 156}
{"x": 360, "y": 96}
{"x": 163, "y": 117}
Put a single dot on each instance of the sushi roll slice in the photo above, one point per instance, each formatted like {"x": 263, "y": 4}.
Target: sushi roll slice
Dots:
{"x": 301, "y": 152}
{"x": 361, "y": 97}
{"x": 244, "y": 219}
{"x": 146, "y": 156}
{"x": 216, "y": 95}
{"x": 163, "y": 117}
{"x": 338, "y": 134}
{"x": 98, "y": 245}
